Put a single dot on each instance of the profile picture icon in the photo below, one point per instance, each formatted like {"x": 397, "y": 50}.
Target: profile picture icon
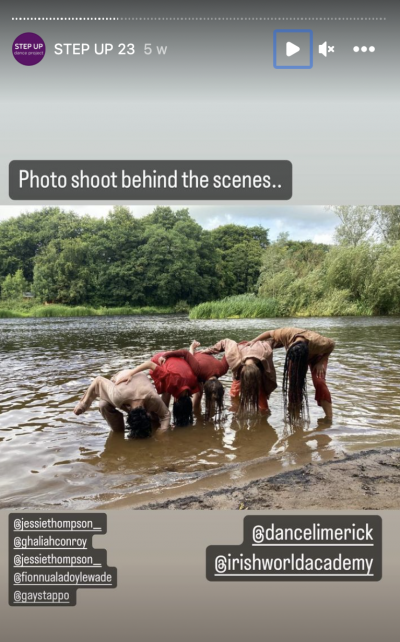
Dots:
{"x": 28, "y": 49}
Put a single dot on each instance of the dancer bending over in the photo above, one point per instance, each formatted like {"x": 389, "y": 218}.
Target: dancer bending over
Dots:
{"x": 139, "y": 399}
{"x": 253, "y": 372}
{"x": 173, "y": 377}
{"x": 304, "y": 349}
{"x": 207, "y": 370}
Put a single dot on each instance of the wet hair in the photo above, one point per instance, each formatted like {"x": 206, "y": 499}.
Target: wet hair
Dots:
{"x": 183, "y": 411}
{"x": 214, "y": 392}
{"x": 138, "y": 423}
{"x": 294, "y": 386}
{"x": 250, "y": 383}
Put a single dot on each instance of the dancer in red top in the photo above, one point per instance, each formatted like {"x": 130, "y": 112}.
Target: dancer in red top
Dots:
{"x": 207, "y": 370}
{"x": 171, "y": 377}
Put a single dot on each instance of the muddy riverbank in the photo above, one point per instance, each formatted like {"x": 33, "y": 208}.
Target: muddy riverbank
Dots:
{"x": 369, "y": 480}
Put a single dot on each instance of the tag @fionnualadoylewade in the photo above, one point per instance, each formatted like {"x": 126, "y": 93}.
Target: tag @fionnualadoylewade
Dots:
{"x": 51, "y": 556}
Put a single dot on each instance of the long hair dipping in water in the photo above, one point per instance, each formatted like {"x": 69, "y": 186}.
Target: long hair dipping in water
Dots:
{"x": 214, "y": 398}
{"x": 183, "y": 411}
{"x": 250, "y": 383}
{"x": 138, "y": 423}
{"x": 294, "y": 387}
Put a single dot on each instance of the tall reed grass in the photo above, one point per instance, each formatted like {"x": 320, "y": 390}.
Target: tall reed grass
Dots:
{"x": 10, "y": 314}
{"x": 248, "y": 306}
{"x": 243, "y": 306}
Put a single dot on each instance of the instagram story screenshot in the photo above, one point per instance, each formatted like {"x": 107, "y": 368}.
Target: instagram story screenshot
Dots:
{"x": 199, "y": 320}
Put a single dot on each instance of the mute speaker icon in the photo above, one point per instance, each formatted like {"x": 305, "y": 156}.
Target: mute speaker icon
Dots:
{"x": 323, "y": 49}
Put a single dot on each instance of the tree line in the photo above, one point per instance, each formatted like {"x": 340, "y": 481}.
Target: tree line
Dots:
{"x": 359, "y": 275}
{"x": 167, "y": 259}
{"x": 309, "y": 279}
{"x": 162, "y": 259}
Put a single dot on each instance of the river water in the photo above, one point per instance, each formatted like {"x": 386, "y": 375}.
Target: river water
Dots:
{"x": 49, "y": 458}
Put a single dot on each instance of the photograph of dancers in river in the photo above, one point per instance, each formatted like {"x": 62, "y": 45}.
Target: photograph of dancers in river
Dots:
{"x": 208, "y": 357}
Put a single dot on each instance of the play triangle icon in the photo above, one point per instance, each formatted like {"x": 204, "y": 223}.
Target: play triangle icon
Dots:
{"x": 291, "y": 49}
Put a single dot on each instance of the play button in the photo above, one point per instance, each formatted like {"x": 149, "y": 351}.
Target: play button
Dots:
{"x": 291, "y": 49}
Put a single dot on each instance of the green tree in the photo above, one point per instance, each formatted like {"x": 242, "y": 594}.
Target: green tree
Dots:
{"x": 167, "y": 218}
{"x": 242, "y": 265}
{"x": 384, "y": 286}
{"x": 14, "y": 286}
{"x": 356, "y": 224}
{"x": 116, "y": 247}
{"x": 350, "y": 268}
{"x": 64, "y": 272}
{"x": 293, "y": 274}
{"x": 239, "y": 250}
{"x": 226, "y": 237}
{"x": 388, "y": 222}
{"x": 24, "y": 237}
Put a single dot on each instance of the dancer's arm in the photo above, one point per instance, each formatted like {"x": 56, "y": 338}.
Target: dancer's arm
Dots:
{"x": 215, "y": 349}
{"x": 187, "y": 356}
{"x": 87, "y": 399}
{"x": 127, "y": 376}
{"x": 155, "y": 404}
{"x": 262, "y": 337}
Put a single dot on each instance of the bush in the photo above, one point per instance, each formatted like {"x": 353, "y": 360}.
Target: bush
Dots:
{"x": 14, "y": 286}
{"x": 182, "y": 307}
{"x": 384, "y": 288}
{"x": 46, "y": 311}
{"x": 10, "y": 314}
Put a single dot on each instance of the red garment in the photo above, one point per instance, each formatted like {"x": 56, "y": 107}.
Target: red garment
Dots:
{"x": 203, "y": 365}
{"x": 262, "y": 397}
{"x": 173, "y": 377}
{"x": 321, "y": 389}
{"x": 235, "y": 388}
{"x": 209, "y": 366}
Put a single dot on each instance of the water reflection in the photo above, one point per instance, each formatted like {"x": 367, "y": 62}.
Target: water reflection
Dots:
{"x": 51, "y": 458}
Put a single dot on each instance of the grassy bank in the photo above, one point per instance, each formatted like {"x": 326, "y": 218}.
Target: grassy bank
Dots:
{"x": 244, "y": 306}
{"x": 236, "y": 307}
{"x": 248, "y": 306}
{"x": 48, "y": 311}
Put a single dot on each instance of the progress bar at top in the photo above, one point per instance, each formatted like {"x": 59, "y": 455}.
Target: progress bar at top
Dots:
{"x": 205, "y": 19}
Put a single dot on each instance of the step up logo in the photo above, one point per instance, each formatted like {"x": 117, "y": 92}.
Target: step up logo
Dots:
{"x": 28, "y": 49}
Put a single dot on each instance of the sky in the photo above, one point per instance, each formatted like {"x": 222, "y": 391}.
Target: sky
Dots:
{"x": 315, "y": 222}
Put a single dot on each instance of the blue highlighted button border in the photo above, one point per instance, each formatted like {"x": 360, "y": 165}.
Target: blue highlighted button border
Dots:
{"x": 293, "y": 31}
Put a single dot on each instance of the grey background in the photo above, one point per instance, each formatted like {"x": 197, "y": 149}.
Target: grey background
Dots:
{"x": 215, "y": 95}
{"x": 163, "y": 594}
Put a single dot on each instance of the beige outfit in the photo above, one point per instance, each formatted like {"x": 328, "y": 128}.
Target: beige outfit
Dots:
{"x": 318, "y": 346}
{"x": 122, "y": 395}
{"x": 319, "y": 349}
{"x": 237, "y": 353}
